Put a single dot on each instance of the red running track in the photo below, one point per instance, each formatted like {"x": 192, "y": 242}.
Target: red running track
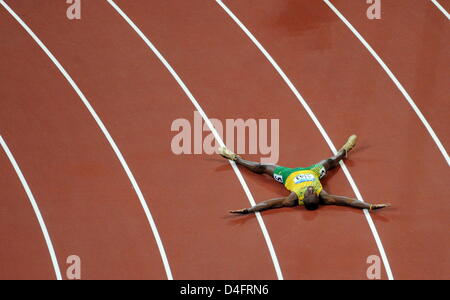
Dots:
{"x": 89, "y": 205}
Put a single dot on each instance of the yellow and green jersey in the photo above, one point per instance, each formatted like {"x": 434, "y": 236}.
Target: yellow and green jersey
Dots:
{"x": 298, "y": 179}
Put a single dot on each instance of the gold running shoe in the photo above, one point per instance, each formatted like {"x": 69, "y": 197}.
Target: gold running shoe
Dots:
{"x": 351, "y": 142}
{"x": 227, "y": 153}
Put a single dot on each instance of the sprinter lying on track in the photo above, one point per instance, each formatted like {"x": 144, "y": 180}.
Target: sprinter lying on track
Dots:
{"x": 303, "y": 183}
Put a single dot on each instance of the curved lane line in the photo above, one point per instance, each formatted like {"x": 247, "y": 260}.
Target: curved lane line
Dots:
{"x": 107, "y": 135}
{"x": 394, "y": 79}
{"x": 37, "y": 212}
{"x": 212, "y": 129}
{"x": 322, "y": 131}
{"x": 442, "y": 9}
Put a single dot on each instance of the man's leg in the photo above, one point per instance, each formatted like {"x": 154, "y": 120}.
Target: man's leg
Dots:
{"x": 333, "y": 161}
{"x": 256, "y": 167}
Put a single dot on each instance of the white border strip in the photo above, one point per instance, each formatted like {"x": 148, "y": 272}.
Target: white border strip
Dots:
{"x": 107, "y": 135}
{"x": 321, "y": 129}
{"x": 212, "y": 129}
{"x": 37, "y": 212}
{"x": 441, "y": 8}
{"x": 395, "y": 80}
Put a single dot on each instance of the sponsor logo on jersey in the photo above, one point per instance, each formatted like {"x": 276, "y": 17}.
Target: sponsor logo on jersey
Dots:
{"x": 303, "y": 178}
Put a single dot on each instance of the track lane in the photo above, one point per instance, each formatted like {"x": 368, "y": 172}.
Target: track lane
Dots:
{"x": 220, "y": 66}
{"x": 413, "y": 38}
{"x": 216, "y": 135}
{"x": 330, "y": 67}
{"x": 82, "y": 190}
{"x": 107, "y": 135}
{"x": 398, "y": 46}
{"x": 130, "y": 88}
{"x": 322, "y": 131}
{"x": 24, "y": 254}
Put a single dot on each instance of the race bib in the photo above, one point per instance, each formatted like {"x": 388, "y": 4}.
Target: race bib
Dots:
{"x": 278, "y": 178}
{"x": 322, "y": 172}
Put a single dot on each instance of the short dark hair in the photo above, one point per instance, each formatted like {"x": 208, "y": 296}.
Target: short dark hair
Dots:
{"x": 311, "y": 202}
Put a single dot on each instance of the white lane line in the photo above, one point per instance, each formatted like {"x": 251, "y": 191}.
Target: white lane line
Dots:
{"x": 395, "y": 80}
{"x": 212, "y": 129}
{"x": 37, "y": 212}
{"x": 107, "y": 135}
{"x": 321, "y": 129}
{"x": 442, "y": 9}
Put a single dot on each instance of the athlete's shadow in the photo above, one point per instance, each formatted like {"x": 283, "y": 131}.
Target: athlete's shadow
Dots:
{"x": 307, "y": 216}
{"x": 377, "y": 215}
{"x": 235, "y": 219}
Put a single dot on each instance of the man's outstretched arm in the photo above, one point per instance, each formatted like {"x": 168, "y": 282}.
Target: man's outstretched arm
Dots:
{"x": 328, "y": 199}
{"x": 288, "y": 201}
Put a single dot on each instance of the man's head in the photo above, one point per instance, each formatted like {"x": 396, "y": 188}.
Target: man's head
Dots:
{"x": 311, "y": 200}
